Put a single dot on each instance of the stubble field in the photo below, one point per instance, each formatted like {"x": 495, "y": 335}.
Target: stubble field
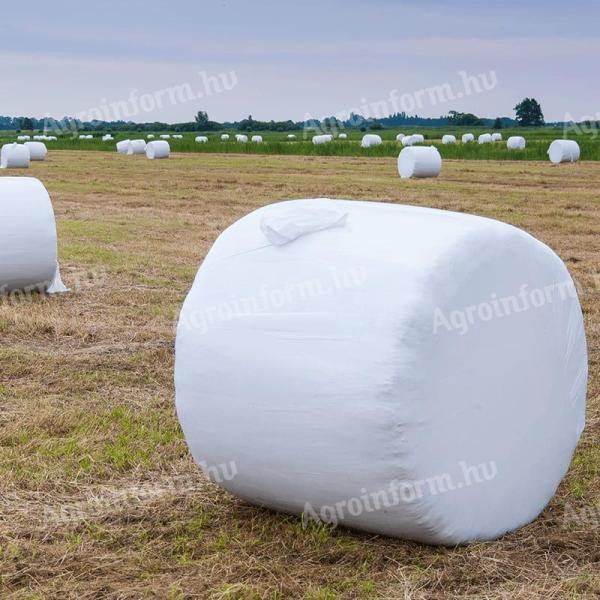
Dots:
{"x": 99, "y": 497}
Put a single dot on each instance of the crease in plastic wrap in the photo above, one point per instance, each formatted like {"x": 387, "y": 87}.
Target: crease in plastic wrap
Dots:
{"x": 399, "y": 370}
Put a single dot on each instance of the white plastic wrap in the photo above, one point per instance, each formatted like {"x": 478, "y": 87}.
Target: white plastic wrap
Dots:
{"x": 448, "y": 139}
{"x": 257, "y": 139}
{"x": 23, "y": 138}
{"x": 496, "y": 137}
{"x": 515, "y": 142}
{"x": 37, "y": 150}
{"x": 123, "y": 146}
{"x": 564, "y": 151}
{"x": 291, "y": 136}
{"x": 467, "y": 138}
{"x": 28, "y": 253}
{"x": 408, "y": 140}
{"x": 400, "y": 137}
{"x": 158, "y": 149}
{"x": 136, "y": 147}
{"x": 241, "y": 138}
{"x": 485, "y": 138}
{"x": 225, "y": 137}
{"x": 320, "y": 370}
{"x": 419, "y": 161}
{"x": 370, "y": 139}
{"x": 107, "y": 138}
{"x": 322, "y": 139}
{"x": 150, "y": 136}
{"x": 418, "y": 138}
{"x": 343, "y": 136}
{"x": 201, "y": 139}
{"x": 177, "y": 136}
{"x": 14, "y": 156}
{"x": 165, "y": 136}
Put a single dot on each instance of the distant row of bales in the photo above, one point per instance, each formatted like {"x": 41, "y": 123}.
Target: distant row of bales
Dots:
{"x": 17, "y": 155}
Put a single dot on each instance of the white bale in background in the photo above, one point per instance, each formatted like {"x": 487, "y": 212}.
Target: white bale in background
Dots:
{"x": 165, "y": 136}
{"x": 496, "y": 137}
{"x": 419, "y": 161}
{"x": 400, "y": 137}
{"x": 23, "y": 138}
{"x": 291, "y": 136}
{"x": 322, "y": 139}
{"x": 241, "y": 138}
{"x": 150, "y": 136}
{"x": 224, "y": 137}
{"x": 37, "y": 150}
{"x": 201, "y": 139}
{"x": 177, "y": 137}
{"x": 407, "y": 140}
{"x": 515, "y": 142}
{"x": 448, "y": 139}
{"x": 51, "y": 138}
{"x": 467, "y": 138}
{"x": 28, "y": 252}
{"x": 485, "y": 138}
{"x": 343, "y": 136}
{"x": 123, "y": 146}
{"x": 409, "y": 423}
{"x": 107, "y": 138}
{"x": 564, "y": 151}
{"x": 136, "y": 147}
{"x": 14, "y": 156}
{"x": 158, "y": 149}
{"x": 418, "y": 138}
{"x": 370, "y": 140}
{"x": 39, "y": 137}
{"x": 257, "y": 139}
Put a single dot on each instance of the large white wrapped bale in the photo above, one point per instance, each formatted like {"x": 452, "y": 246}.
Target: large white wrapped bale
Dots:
{"x": 201, "y": 139}
{"x": 241, "y": 138}
{"x": 150, "y": 136}
{"x": 408, "y": 140}
{"x": 400, "y": 137}
{"x": 485, "y": 138}
{"x": 419, "y": 161}
{"x": 28, "y": 250}
{"x": 136, "y": 147}
{"x": 177, "y": 136}
{"x": 564, "y": 151}
{"x": 291, "y": 136}
{"x": 123, "y": 146}
{"x": 516, "y": 142}
{"x": 107, "y": 138}
{"x": 418, "y": 138}
{"x": 496, "y": 137}
{"x": 257, "y": 139}
{"x": 322, "y": 139}
{"x": 343, "y": 136}
{"x": 370, "y": 140}
{"x": 224, "y": 137}
{"x": 158, "y": 149}
{"x": 165, "y": 136}
{"x": 448, "y": 139}
{"x": 467, "y": 138}
{"x": 23, "y": 138}
{"x": 401, "y": 370}
{"x": 37, "y": 150}
{"x": 14, "y": 156}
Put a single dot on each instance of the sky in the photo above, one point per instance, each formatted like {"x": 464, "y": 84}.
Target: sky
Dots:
{"x": 275, "y": 59}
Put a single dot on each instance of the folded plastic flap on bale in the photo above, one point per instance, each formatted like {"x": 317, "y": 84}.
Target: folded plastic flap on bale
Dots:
{"x": 290, "y": 225}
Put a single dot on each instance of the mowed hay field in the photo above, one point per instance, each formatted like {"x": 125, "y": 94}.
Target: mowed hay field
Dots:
{"x": 99, "y": 497}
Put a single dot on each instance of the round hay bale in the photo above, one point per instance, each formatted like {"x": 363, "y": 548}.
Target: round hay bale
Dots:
{"x": 432, "y": 420}
{"x": 158, "y": 149}
{"x": 14, "y": 156}
{"x": 515, "y": 142}
{"x": 564, "y": 151}
{"x": 419, "y": 162}
{"x": 370, "y": 140}
{"x": 37, "y": 150}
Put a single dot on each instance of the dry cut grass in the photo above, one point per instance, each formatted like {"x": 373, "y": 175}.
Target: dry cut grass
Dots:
{"x": 99, "y": 497}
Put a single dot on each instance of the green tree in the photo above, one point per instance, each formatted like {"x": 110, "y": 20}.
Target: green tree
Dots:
{"x": 201, "y": 120}
{"x": 497, "y": 123}
{"x": 529, "y": 113}
{"x": 26, "y": 124}
{"x": 458, "y": 118}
